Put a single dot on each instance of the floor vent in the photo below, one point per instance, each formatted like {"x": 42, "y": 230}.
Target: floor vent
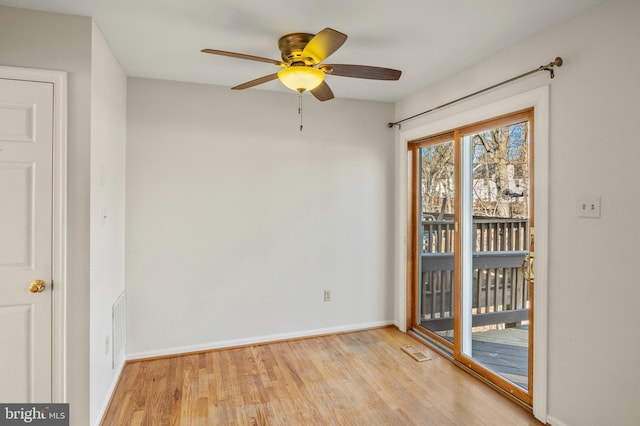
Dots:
{"x": 416, "y": 354}
{"x": 119, "y": 331}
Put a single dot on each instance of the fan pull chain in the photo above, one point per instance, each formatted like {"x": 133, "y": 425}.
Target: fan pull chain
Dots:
{"x": 300, "y": 108}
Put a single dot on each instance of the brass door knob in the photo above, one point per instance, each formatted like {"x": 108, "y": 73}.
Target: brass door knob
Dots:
{"x": 37, "y": 286}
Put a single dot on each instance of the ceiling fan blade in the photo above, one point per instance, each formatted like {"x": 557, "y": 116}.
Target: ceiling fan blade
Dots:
{"x": 242, "y": 56}
{"x": 255, "y": 82}
{"x": 323, "y": 44}
{"x": 323, "y": 92}
{"x": 362, "y": 71}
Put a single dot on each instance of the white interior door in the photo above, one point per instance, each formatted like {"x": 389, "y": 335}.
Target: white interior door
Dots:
{"x": 26, "y": 147}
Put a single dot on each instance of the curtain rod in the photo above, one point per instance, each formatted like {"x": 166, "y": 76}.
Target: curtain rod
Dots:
{"x": 549, "y": 67}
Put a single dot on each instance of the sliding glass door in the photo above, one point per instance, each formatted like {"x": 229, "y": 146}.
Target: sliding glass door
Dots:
{"x": 471, "y": 228}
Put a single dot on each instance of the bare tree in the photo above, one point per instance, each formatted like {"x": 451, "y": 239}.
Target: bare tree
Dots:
{"x": 500, "y": 174}
{"x": 501, "y": 164}
{"x": 437, "y": 178}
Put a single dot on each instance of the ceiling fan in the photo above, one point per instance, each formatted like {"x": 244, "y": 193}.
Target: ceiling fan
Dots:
{"x": 302, "y": 67}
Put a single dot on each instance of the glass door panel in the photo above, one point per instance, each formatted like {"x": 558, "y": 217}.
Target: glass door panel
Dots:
{"x": 436, "y": 204}
{"x": 495, "y": 241}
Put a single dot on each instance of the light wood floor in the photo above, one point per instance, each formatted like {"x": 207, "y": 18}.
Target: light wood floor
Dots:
{"x": 360, "y": 378}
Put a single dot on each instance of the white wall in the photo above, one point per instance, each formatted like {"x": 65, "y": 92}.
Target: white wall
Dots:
{"x": 237, "y": 221}
{"x": 63, "y": 42}
{"x": 593, "y": 352}
{"x": 108, "y": 133}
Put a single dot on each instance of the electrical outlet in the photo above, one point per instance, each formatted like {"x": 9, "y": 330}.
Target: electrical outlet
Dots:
{"x": 107, "y": 345}
{"x": 327, "y": 295}
{"x": 588, "y": 206}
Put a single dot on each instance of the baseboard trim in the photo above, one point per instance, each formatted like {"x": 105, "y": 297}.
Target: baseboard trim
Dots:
{"x": 251, "y": 341}
{"x": 110, "y": 393}
{"x": 555, "y": 422}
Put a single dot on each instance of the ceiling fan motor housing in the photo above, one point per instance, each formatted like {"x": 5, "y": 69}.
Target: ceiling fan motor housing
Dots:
{"x": 291, "y": 47}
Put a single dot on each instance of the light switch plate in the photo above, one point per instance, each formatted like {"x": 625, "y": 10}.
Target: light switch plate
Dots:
{"x": 588, "y": 206}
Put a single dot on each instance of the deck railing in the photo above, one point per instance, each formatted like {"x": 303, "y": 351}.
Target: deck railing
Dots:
{"x": 500, "y": 293}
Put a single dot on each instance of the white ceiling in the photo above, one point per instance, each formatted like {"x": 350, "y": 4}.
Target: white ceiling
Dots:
{"x": 426, "y": 39}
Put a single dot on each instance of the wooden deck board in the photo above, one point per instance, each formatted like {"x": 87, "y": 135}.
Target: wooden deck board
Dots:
{"x": 518, "y": 336}
{"x": 504, "y": 352}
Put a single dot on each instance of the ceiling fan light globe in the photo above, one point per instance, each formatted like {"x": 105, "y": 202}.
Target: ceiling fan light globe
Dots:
{"x": 301, "y": 78}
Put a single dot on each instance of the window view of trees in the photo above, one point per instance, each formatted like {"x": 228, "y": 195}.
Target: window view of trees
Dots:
{"x": 437, "y": 176}
{"x": 500, "y": 174}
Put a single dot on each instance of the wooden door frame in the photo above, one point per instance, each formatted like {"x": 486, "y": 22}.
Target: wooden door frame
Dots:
{"x": 458, "y": 117}
{"x": 59, "y": 226}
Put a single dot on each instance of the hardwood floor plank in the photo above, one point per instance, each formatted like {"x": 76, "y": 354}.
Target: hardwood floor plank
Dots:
{"x": 345, "y": 379}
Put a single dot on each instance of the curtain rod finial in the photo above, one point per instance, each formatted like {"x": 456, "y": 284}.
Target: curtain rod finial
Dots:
{"x": 558, "y": 61}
